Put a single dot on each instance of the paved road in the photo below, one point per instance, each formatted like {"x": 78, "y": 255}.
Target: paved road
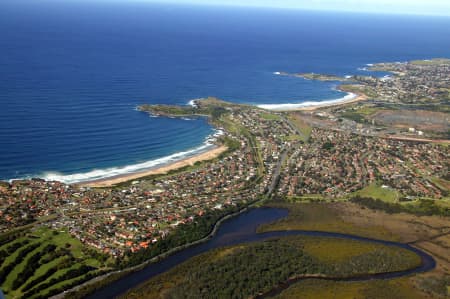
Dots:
{"x": 277, "y": 172}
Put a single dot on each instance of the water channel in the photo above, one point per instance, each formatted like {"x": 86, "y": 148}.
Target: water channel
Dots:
{"x": 242, "y": 229}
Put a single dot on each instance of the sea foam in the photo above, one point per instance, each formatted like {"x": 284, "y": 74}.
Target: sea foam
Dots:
{"x": 193, "y": 103}
{"x": 281, "y": 107}
{"x": 98, "y": 174}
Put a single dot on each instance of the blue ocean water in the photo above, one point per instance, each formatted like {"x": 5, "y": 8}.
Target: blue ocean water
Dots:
{"x": 72, "y": 73}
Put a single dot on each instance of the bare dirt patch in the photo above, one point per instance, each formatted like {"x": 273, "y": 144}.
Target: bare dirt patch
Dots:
{"x": 418, "y": 119}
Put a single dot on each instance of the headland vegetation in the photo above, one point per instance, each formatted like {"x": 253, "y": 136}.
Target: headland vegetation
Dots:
{"x": 370, "y": 168}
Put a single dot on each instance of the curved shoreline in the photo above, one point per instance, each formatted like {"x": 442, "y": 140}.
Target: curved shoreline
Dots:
{"x": 111, "y": 181}
{"x": 309, "y": 106}
{"x": 114, "y": 176}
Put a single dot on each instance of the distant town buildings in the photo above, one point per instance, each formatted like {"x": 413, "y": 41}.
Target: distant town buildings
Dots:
{"x": 273, "y": 156}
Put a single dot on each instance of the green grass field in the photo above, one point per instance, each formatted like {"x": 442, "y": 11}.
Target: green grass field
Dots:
{"x": 376, "y": 191}
{"x": 293, "y": 138}
{"x": 42, "y": 262}
{"x": 301, "y": 125}
{"x": 269, "y": 116}
{"x": 436, "y": 61}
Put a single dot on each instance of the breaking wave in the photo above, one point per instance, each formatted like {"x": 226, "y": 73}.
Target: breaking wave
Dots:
{"x": 98, "y": 174}
{"x": 280, "y": 107}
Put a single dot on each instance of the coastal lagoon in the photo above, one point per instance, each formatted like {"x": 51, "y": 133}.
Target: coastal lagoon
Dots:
{"x": 242, "y": 229}
{"x": 72, "y": 74}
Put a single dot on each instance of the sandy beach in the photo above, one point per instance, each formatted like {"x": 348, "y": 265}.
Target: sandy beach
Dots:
{"x": 108, "y": 182}
{"x": 358, "y": 98}
{"x": 311, "y": 106}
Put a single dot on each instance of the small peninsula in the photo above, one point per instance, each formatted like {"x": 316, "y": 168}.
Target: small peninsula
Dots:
{"x": 375, "y": 169}
{"x": 314, "y": 76}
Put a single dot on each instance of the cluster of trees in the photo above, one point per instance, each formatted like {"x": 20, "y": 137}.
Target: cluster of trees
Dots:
{"x": 29, "y": 250}
{"x": 236, "y": 272}
{"x": 377, "y": 204}
{"x": 257, "y": 268}
{"x": 32, "y": 264}
{"x": 83, "y": 271}
{"x": 43, "y": 277}
{"x": 4, "y": 253}
{"x": 425, "y": 207}
{"x": 99, "y": 256}
{"x": 328, "y": 145}
{"x": 54, "y": 254}
{"x": 184, "y": 234}
{"x": 8, "y": 237}
{"x": 4, "y": 272}
{"x": 217, "y": 112}
{"x": 231, "y": 143}
{"x": 34, "y": 286}
{"x": 246, "y": 271}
